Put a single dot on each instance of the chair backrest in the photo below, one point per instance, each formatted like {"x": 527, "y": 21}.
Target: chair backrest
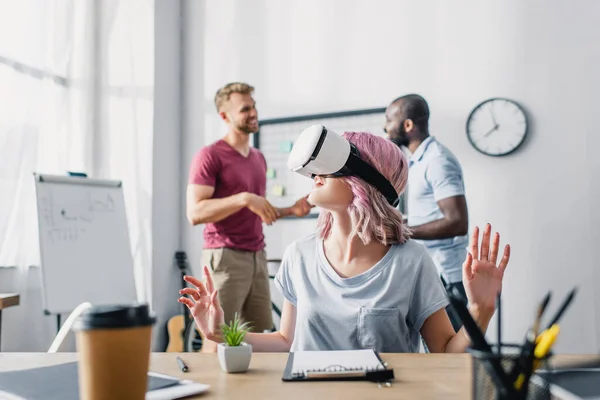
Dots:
{"x": 64, "y": 330}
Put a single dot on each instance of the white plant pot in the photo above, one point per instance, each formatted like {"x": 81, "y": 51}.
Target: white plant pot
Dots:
{"x": 234, "y": 359}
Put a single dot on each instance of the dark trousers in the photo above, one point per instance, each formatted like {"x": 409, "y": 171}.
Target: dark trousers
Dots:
{"x": 458, "y": 290}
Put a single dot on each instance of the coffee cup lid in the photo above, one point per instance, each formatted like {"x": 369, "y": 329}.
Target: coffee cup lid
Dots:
{"x": 115, "y": 316}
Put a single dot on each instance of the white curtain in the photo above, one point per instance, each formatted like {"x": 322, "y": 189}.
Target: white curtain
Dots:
{"x": 76, "y": 94}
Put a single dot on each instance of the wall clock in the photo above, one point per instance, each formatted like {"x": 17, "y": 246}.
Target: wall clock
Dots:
{"x": 497, "y": 127}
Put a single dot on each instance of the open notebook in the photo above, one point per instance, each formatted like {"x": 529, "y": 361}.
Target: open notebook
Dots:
{"x": 337, "y": 365}
{"x": 60, "y": 382}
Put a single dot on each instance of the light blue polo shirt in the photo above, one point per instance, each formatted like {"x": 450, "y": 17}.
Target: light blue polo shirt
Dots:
{"x": 383, "y": 308}
{"x": 435, "y": 174}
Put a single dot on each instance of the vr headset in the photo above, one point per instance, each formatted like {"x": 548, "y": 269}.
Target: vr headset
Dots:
{"x": 319, "y": 151}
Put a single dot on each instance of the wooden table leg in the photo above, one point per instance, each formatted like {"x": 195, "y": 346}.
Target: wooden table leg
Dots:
{"x": 7, "y": 300}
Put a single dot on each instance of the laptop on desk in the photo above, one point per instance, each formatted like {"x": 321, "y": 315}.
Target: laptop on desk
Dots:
{"x": 60, "y": 382}
{"x": 572, "y": 383}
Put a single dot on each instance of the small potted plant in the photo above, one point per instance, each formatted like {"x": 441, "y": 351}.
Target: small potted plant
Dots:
{"x": 234, "y": 353}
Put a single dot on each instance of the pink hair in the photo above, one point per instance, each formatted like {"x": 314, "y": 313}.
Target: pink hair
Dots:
{"x": 372, "y": 216}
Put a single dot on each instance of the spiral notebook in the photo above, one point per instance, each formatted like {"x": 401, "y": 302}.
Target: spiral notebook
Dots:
{"x": 337, "y": 365}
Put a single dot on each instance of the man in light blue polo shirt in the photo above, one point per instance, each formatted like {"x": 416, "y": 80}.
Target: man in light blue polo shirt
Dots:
{"x": 437, "y": 208}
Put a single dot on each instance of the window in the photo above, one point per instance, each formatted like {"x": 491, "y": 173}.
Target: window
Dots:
{"x": 41, "y": 112}
{"x": 76, "y": 94}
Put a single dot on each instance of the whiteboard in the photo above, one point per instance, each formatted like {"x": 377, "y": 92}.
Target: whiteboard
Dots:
{"x": 276, "y": 137}
{"x": 84, "y": 243}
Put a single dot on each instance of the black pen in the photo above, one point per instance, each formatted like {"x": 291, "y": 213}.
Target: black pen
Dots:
{"x": 540, "y": 312}
{"x": 499, "y": 326}
{"x": 477, "y": 337}
{"x": 495, "y": 369}
{"x": 182, "y": 365}
{"x": 527, "y": 349}
{"x": 563, "y": 307}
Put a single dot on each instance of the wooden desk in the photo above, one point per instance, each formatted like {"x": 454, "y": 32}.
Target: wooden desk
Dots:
{"x": 418, "y": 376}
{"x": 7, "y": 300}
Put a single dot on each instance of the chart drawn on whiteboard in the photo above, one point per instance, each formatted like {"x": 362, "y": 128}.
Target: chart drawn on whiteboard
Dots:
{"x": 62, "y": 235}
{"x": 72, "y": 217}
{"x": 47, "y": 205}
{"x": 104, "y": 203}
{"x": 67, "y": 217}
{"x": 85, "y": 219}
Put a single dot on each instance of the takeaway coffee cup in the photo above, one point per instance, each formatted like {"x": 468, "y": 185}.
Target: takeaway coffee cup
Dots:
{"x": 113, "y": 343}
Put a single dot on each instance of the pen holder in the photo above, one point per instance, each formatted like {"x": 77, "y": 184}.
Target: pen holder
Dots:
{"x": 489, "y": 385}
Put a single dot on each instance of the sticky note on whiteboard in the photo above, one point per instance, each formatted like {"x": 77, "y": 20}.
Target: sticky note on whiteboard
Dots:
{"x": 286, "y": 146}
{"x": 278, "y": 190}
{"x": 271, "y": 173}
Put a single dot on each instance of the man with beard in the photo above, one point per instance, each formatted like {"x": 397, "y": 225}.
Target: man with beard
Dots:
{"x": 437, "y": 209}
{"x": 226, "y": 192}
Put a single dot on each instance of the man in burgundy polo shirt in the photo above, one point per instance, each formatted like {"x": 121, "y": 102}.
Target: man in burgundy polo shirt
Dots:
{"x": 226, "y": 192}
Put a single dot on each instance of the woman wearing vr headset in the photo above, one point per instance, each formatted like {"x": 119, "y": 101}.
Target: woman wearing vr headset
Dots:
{"x": 359, "y": 281}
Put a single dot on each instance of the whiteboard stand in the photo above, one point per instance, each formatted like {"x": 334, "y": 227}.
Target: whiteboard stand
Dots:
{"x": 85, "y": 249}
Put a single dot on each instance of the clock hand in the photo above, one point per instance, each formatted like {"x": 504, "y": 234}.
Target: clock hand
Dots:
{"x": 495, "y": 128}
{"x": 493, "y": 117}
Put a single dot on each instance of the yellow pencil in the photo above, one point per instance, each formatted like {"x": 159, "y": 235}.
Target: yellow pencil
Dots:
{"x": 544, "y": 343}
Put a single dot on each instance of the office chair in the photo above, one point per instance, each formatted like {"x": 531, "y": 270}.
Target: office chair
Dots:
{"x": 64, "y": 330}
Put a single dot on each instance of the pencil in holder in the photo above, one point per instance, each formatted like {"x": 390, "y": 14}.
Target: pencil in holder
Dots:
{"x": 495, "y": 376}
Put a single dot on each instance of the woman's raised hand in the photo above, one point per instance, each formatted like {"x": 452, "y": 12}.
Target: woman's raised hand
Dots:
{"x": 204, "y": 306}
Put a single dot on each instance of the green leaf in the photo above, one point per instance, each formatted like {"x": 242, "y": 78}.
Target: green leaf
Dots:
{"x": 235, "y": 332}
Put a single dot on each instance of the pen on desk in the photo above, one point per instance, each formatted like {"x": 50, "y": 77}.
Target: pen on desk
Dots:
{"x": 181, "y": 364}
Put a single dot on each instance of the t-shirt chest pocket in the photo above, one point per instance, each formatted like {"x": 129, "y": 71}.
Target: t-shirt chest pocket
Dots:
{"x": 381, "y": 328}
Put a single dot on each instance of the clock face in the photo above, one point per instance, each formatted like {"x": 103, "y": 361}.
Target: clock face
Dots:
{"x": 497, "y": 127}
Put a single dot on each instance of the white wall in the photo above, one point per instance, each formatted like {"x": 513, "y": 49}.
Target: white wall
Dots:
{"x": 315, "y": 56}
{"x": 25, "y": 327}
{"x": 166, "y": 204}
{"x": 37, "y": 332}
{"x": 193, "y": 113}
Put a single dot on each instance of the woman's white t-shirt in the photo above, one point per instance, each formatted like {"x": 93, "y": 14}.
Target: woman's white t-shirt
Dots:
{"x": 383, "y": 308}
